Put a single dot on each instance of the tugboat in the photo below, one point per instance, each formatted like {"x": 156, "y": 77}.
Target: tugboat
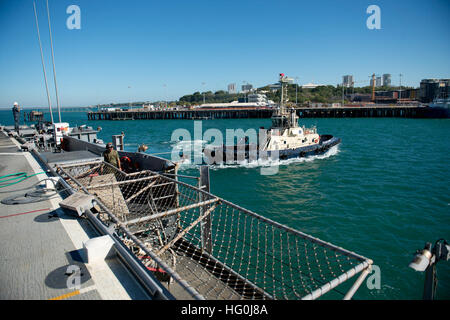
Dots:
{"x": 284, "y": 140}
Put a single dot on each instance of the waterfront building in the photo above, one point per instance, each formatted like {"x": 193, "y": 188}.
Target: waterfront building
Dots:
{"x": 360, "y": 97}
{"x": 347, "y": 81}
{"x": 408, "y": 94}
{"x": 259, "y": 99}
{"x": 232, "y": 88}
{"x": 386, "y": 80}
{"x": 378, "y": 82}
{"x": 247, "y": 88}
{"x": 431, "y": 89}
{"x": 310, "y": 86}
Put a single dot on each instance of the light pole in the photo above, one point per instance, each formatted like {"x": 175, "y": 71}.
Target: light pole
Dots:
{"x": 165, "y": 92}
{"x": 296, "y": 87}
{"x": 400, "y": 91}
{"x": 131, "y": 98}
{"x": 203, "y": 85}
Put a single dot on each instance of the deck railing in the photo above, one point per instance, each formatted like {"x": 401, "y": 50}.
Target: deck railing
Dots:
{"x": 208, "y": 248}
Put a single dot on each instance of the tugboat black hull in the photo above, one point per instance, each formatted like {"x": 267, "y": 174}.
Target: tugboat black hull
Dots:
{"x": 234, "y": 155}
{"x": 326, "y": 143}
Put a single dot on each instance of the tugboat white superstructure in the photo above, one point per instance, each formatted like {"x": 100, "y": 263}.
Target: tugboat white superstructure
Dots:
{"x": 284, "y": 140}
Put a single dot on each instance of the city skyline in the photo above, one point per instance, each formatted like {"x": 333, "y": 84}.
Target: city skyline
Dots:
{"x": 131, "y": 52}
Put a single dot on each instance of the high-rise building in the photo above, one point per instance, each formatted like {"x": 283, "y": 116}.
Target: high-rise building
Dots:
{"x": 386, "y": 80}
{"x": 247, "y": 88}
{"x": 347, "y": 81}
{"x": 378, "y": 82}
{"x": 232, "y": 88}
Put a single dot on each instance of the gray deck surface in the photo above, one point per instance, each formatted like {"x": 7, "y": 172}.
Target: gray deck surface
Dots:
{"x": 35, "y": 249}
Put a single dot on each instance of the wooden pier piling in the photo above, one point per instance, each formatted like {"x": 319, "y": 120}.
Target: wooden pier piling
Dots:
{"x": 375, "y": 111}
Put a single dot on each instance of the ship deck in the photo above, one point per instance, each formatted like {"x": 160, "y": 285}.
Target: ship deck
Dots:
{"x": 40, "y": 241}
{"x": 172, "y": 240}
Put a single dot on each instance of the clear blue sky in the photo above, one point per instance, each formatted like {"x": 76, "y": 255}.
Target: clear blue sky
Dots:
{"x": 128, "y": 50}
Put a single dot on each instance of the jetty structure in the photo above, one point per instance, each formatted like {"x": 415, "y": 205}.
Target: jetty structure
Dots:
{"x": 347, "y": 111}
{"x": 146, "y": 232}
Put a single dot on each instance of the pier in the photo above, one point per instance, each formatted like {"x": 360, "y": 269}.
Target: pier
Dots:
{"x": 190, "y": 114}
{"x": 372, "y": 111}
{"x": 33, "y": 116}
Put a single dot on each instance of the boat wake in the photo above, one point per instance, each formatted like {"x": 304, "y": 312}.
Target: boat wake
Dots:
{"x": 187, "y": 163}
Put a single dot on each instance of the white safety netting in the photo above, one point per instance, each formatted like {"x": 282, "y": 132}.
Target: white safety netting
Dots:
{"x": 222, "y": 251}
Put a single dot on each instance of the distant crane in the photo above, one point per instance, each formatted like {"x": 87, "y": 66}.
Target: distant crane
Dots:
{"x": 373, "y": 84}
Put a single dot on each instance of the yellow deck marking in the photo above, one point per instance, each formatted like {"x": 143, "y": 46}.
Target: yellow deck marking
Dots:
{"x": 67, "y": 295}
{"x": 73, "y": 293}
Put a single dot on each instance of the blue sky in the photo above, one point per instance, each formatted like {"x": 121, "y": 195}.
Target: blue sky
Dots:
{"x": 155, "y": 50}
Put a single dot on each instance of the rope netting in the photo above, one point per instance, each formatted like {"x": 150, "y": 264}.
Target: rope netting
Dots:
{"x": 222, "y": 251}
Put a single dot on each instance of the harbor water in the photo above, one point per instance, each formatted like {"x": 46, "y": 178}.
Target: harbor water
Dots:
{"x": 382, "y": 193}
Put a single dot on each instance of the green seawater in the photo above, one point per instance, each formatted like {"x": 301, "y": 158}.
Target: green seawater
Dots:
{"x": 382, "y": 193}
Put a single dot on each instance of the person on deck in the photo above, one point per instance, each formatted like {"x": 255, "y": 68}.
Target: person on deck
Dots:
{"x": 112, "y": 156}
{"x": 16, "y": 114}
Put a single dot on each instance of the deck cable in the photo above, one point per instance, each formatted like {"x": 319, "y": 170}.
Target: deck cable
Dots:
{"x": 37, "y": 195}
{"x": 19, "y": 176}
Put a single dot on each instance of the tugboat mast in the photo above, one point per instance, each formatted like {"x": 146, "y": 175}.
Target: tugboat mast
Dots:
{"x": 283, "y": 83}
{"x": 282, "y": 118}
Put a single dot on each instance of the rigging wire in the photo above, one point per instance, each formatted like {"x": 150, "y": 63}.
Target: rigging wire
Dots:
{"x": 53, "y": 62}
{"x": 43, "y": 64}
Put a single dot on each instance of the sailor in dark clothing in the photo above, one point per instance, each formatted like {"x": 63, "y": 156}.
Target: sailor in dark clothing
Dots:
{"x": 16, "y": 114}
